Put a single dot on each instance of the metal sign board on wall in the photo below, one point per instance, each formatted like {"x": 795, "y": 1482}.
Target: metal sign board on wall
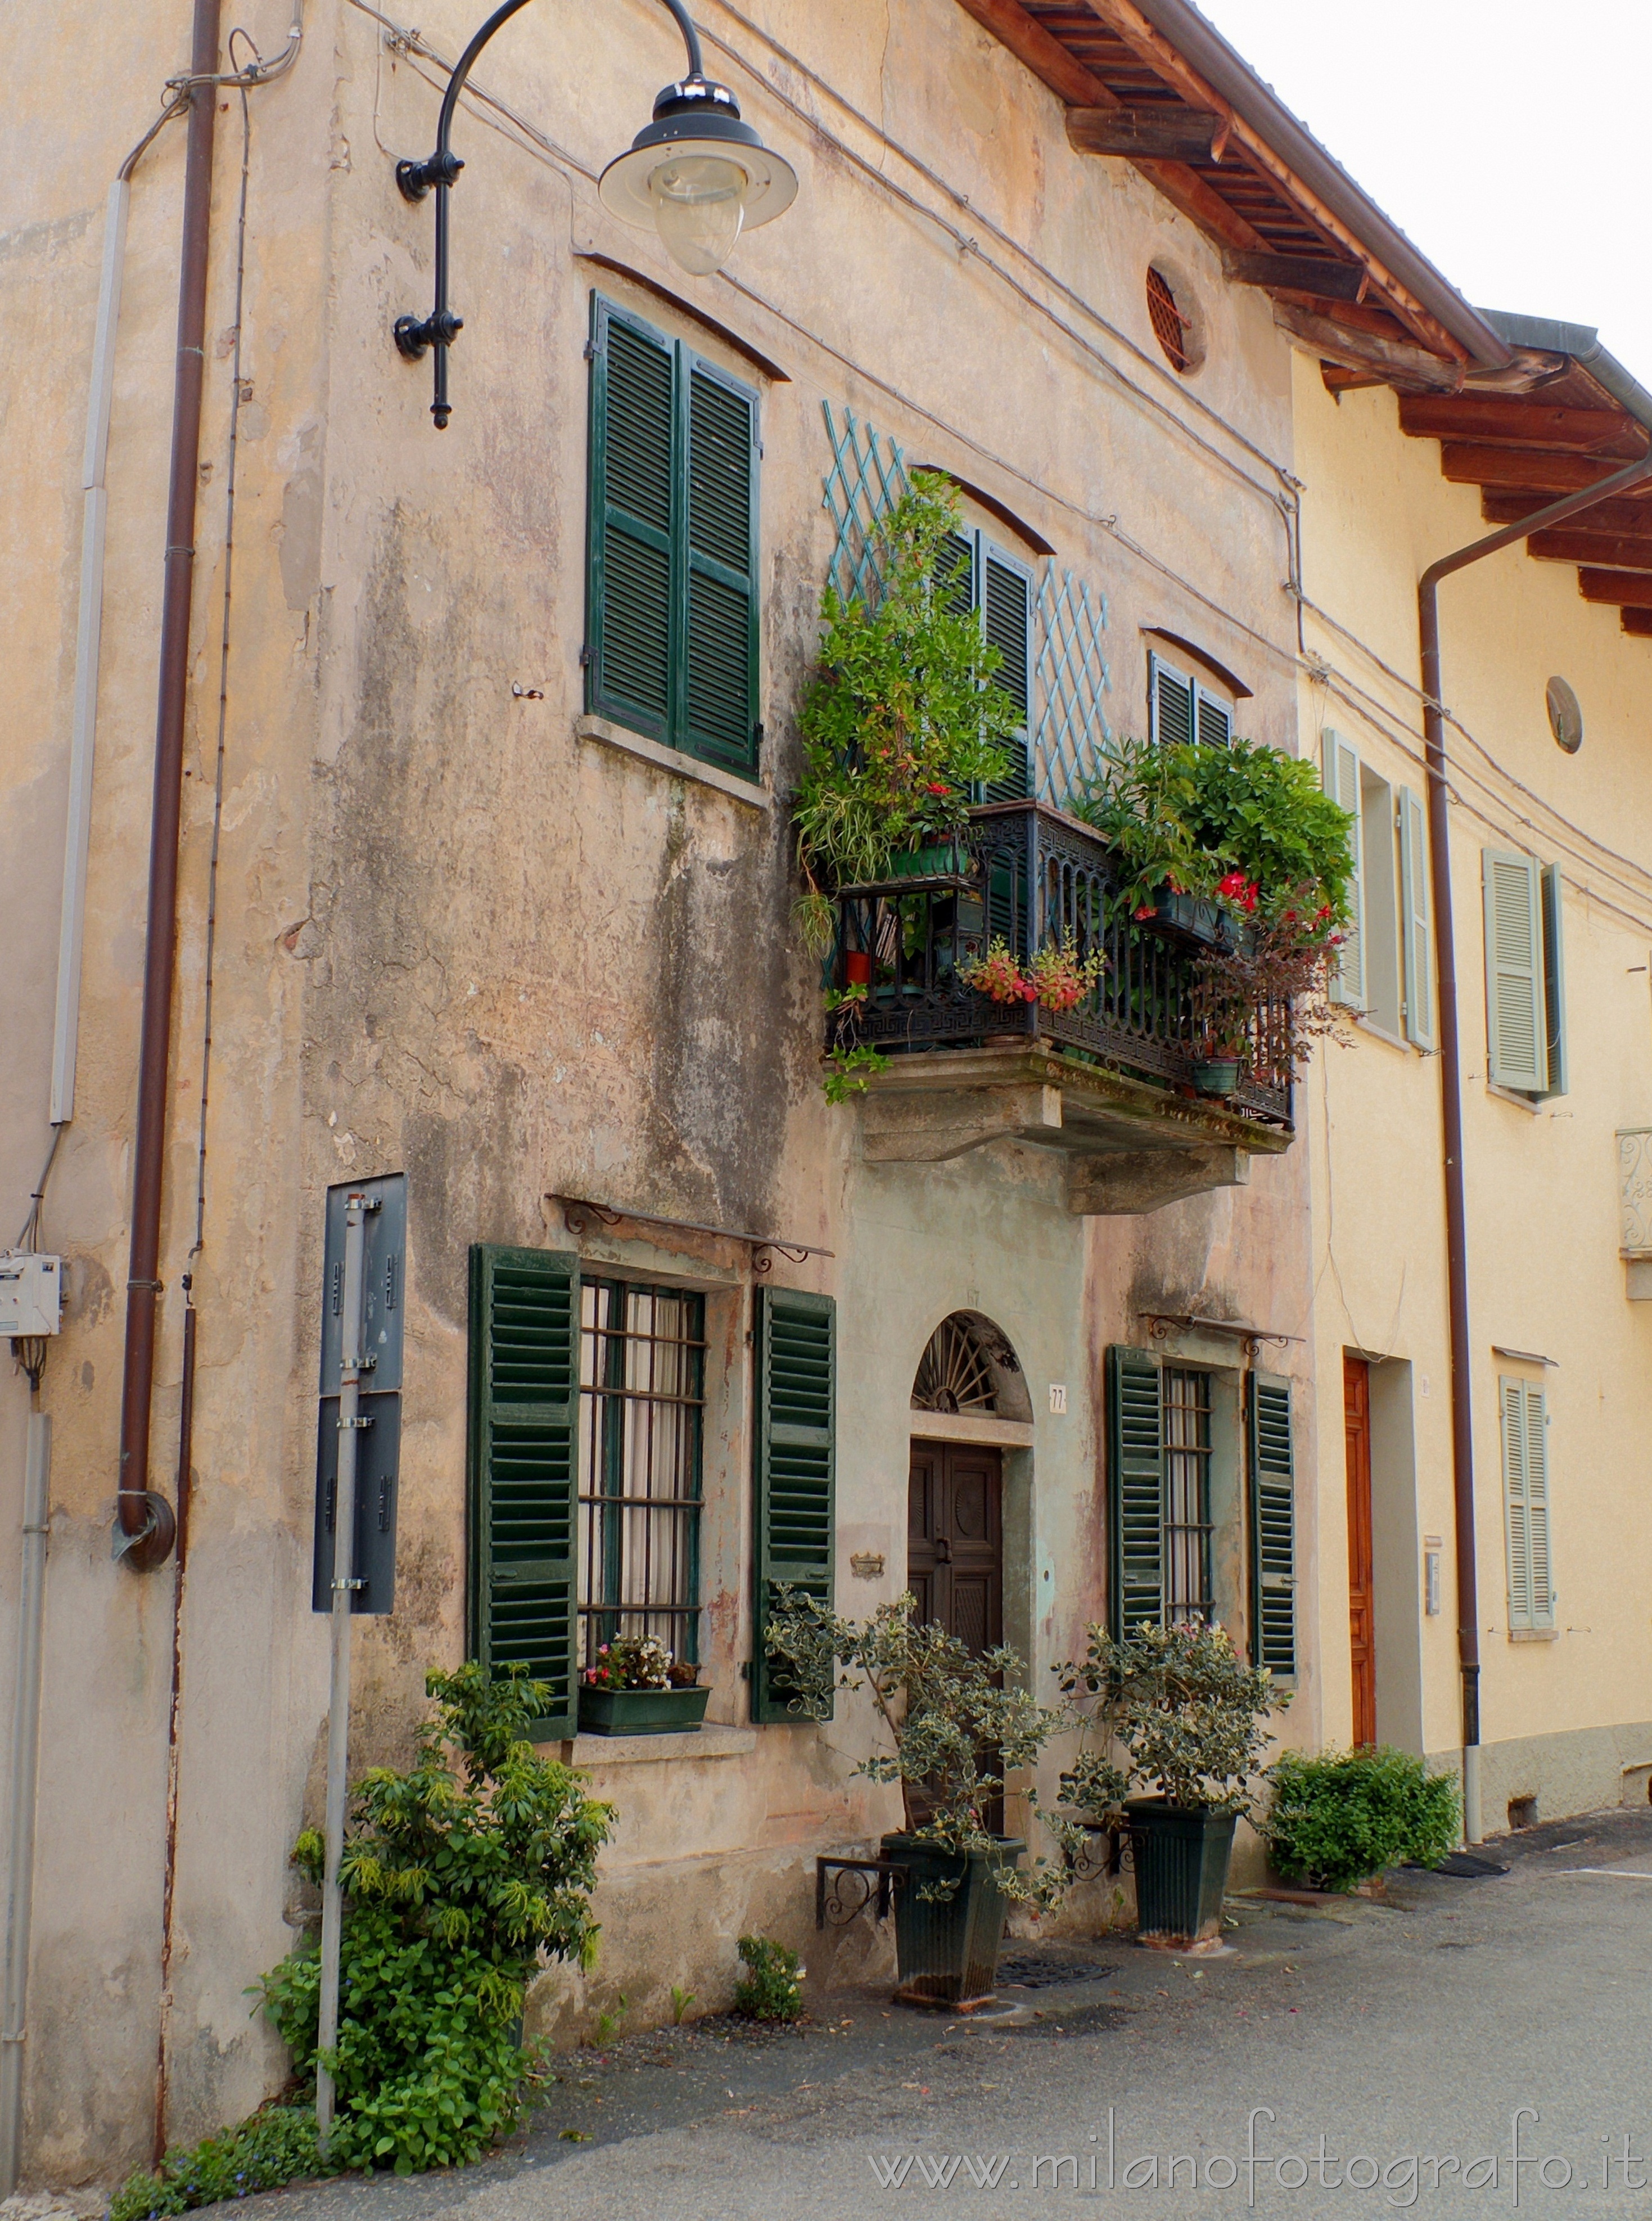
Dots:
{"x": 379, "y": 1442}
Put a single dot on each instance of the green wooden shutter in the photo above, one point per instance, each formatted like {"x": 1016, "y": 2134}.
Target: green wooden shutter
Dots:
{"x": 1212, "y": 720}
{"x": 794, "y": 1477}
{"x": 1272, "y": 1525}
{"x": 1170, "y": 703}
{"x": 1516, "y": 1024}
{"x": 1554, "y": 979}
{"x": 1341, "y": 782}
{"x": 523, "y": 1469}
{"x": 1526, "y": 1497}
{"x": 718, "y": 711}
{"x": 1006, "y": 620}
{"x": 1135, "y": 1489}
{"x": 1416, "y": 922}
{"x": 633, "y": 469}
{"x": 955, "y": 574}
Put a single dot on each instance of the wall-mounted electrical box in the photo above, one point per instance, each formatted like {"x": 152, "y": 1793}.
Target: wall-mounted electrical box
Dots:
{"x": 31, "y": 1293}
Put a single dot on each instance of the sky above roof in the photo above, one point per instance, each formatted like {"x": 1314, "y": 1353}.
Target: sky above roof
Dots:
{"x": 1507, "y": 138}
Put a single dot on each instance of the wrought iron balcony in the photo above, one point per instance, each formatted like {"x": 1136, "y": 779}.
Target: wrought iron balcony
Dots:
{"x": 1123, "y": 1058}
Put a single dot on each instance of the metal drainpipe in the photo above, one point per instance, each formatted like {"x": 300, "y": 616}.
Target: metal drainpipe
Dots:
{"x": 1456, "y": 1226}
{"x": 144, "y": 1519}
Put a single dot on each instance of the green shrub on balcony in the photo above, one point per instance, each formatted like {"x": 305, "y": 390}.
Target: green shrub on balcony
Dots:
{"x": 899, "y": 721}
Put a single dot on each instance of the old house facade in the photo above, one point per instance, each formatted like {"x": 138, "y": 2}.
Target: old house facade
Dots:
{"x": 485, "y": 878}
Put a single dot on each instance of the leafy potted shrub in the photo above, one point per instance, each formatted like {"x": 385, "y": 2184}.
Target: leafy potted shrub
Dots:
{"x": 460, "y": 1876}
{"x": 1341, "y": 1819}
{"x": 1216, "y": 842}
{"x": 900, "y": 721}
{"x": 1177, "y": 1709}
{"x": 633, "y": 1685}
{"x": 957, "y": 1726}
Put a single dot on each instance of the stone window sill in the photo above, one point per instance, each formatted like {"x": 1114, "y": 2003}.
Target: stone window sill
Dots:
{"x": 1534, "y": 1635}
{"x": 1520, "y": 1102}
{"x": 673, "y": 760}
{"x": 709, "y": 1742}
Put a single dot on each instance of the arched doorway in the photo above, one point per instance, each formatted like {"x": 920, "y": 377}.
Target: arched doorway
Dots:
{"x": 954, "y": 1493}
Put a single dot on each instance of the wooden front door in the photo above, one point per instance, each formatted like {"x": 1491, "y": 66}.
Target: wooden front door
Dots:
{"x": 1361, "y": 1631}
{"x": 955, "y": 1540}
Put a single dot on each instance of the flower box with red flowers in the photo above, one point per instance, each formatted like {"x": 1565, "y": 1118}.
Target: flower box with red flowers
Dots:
{"x": 633, "y": 1685}
{"x": 1223, "y": 923}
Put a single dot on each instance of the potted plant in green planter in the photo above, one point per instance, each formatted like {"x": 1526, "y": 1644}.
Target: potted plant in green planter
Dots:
{"x": 955, "y": 1725}
{"x": 900, "y": 721}
{"x": 633, "y": 1685}
{"x": 1174, "y": 1710}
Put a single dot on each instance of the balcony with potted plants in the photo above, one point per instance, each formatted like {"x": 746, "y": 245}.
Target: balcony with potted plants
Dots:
{"x": 1133, "y": 979}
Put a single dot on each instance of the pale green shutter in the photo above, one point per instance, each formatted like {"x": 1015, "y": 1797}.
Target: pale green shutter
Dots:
{"x": 1135, "y": 1489}
{"x": 1525, "y": 1493}
{"x": 1170, "y": 703}
{"x": 523, "y": 1469}
{"x": 1341, "y": 780}
{"x": 794, "y": 1468}
{"x": 1416, "y": 921}
{"x": 718, "y": 709}
{"x": 955, "y": 574}
{"x": 1553, "y": 978}
{"x": 629, "y": 562}
{"x": 1213, "y": 720}
{"x": 1006, "y": 620}
{"x": 1272, "y": 1525}
{"x": 1516, "y": 1024}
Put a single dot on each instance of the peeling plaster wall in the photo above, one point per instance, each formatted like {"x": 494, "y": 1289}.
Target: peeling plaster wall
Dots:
{"x": 455, "y": 940}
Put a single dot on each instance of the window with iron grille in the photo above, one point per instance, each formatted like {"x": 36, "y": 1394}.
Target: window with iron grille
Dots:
{"x": 1186, "y": 1497}
{"x": 642, "y": 1367}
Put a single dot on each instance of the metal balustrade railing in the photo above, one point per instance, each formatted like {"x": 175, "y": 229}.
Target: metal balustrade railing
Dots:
{"x": 1031, "y": 876}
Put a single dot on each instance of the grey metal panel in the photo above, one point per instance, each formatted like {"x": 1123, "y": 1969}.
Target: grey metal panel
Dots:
{"x": 378, "y": 1463}
{"x": 384, "y": 1282}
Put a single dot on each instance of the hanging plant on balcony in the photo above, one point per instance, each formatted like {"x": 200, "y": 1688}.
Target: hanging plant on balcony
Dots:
{"x": 900, "y": 723}
{"x": 1285, "y": 963}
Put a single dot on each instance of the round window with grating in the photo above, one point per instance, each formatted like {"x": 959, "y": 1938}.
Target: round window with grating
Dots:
{"x": 1176, "y": 322}
{"x": 1565, "y": 716}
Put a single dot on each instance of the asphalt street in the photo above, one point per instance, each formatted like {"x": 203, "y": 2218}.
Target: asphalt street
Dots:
{"x": 1469, "y": 2048}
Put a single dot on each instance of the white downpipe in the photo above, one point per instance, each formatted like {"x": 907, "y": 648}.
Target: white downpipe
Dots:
{"x": 88, "y": 640}
{"x": 25, "y": 1756}
{"x": 1471, "y": 1818}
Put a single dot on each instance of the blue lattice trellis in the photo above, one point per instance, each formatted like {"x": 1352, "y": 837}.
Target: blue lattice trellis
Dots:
{"x": 867, "y": 477}
{"x": 1071, "y": 675}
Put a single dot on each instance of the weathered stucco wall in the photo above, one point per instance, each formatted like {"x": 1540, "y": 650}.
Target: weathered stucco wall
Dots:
{"x": 454, "y": 939}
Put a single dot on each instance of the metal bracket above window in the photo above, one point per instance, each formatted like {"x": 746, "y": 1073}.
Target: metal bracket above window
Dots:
{"x": 1162, "y": 1324}
{"x": 581, "y": 1215}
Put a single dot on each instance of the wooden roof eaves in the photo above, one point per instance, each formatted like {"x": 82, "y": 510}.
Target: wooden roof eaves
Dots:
{"x": 1126, "y": 19}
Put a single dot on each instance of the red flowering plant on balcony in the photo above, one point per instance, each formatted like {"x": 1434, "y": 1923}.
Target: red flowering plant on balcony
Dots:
{"x": 1059, "y": 978}
{"x": 1286, "y": 962}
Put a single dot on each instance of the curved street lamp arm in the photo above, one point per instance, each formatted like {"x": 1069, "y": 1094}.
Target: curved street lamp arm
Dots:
{"x": 442, "y": 326}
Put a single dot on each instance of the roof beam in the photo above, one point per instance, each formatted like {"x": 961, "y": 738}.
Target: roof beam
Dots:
{"x": 1325, "y": 279}
{"x": 1630, "y": 589}
{"x": 1494, "y": 417}
{"x": 1126, "y": 21}
{"x": 1528, "y": 468}
{"x": 1630, "y": 512}
{"x": 1636, "y": 622}
{"x": 1355, "y": 349}
{"x": 1617, "y": 551}
{"x": 1177, "y": 135}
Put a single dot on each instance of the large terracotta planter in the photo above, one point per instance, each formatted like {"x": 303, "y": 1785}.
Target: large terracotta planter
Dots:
{"x": 946, "y": 1947}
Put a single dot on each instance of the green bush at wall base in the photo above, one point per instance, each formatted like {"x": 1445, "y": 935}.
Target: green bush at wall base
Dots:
{"x": 1340, "y": 1818}
{"x": 272, "y": 2147}
{"x": 771, "y": 1990}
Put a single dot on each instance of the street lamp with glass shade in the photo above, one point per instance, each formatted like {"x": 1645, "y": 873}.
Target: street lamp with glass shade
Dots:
{"x": 696, "y": 174}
